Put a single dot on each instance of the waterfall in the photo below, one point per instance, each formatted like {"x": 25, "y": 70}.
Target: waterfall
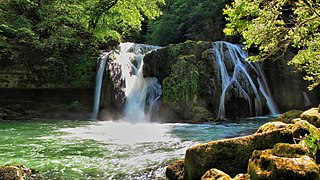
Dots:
{"x": 102, "y": 64}
{"x": 142, "y": 94}
{"x": 234, "y": 74}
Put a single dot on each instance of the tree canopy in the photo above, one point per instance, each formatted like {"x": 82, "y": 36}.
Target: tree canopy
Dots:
{"x": 58, "y": 40}
{"x": 188, "y": 19}
{"x": 274, "y": 26}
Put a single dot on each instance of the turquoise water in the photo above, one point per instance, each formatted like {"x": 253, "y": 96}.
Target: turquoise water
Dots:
{"x": 64, "y": 149}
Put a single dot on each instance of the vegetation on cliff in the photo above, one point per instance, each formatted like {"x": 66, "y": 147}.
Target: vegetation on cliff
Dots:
{"x": 275, "y": 26}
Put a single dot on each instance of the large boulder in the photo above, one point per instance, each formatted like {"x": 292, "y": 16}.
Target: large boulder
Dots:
{"x": 285, "y": 161}
{"x": 288, "y": 116}
{"x": 231, "y": 155}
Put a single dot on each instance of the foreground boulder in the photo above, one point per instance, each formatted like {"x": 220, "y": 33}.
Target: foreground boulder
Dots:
{"x": 312, "y": 116}
{"x": 175, "y": 170}
{"x": 285, "y": 161}
{"x": 231, "y": 155}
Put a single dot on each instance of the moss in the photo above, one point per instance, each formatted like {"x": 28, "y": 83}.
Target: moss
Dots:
{"x": 289, "y": 150}
{"x": 287, "y": 117}
{"x": 266, "y": 164}
{"x": 312, "y": 116}
{"x": 271, "y": 126}
{"x": 175, "y": 171}
{"x": 230, "y": 155}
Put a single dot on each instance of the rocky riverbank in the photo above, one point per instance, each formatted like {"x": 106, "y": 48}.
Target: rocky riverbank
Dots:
{"x": 278, "y": 150}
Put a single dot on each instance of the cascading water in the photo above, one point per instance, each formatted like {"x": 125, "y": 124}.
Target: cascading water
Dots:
{"x": 141, "y": 93}
{"x": 101, "y": 69}
{"x": 234, "y": 74}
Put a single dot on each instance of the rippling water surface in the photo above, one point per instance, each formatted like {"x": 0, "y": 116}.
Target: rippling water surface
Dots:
{"x": 64, "y": 149}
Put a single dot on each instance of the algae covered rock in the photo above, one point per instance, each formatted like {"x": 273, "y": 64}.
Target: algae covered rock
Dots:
{"x": 231, "y": 155}
{"x": 215, "y": 174}
{"x": 288, "y": 116}
{"x": 175, "y": 171}
{"x": 291, "y": 164}
{"x": 15, "y": 172}
{"x": 271, "y": 126}
{"x": 312, "y": 116}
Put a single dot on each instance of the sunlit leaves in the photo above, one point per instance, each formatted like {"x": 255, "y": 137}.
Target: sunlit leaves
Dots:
{"x": 275, "y": 25}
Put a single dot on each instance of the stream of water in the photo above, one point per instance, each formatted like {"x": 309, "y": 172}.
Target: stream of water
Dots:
{"x": 65, "y": 149}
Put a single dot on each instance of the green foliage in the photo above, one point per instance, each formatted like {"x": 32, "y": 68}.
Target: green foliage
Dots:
{"x": 75, "y": 106}
{"x": 274, "y": 26}
{"x": 58, "y": 40}
{"x": 185, "y": 19}
{"x": 312, "y": 143}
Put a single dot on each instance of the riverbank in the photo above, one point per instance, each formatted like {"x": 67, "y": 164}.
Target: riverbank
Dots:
{"x": 42, "y": 103}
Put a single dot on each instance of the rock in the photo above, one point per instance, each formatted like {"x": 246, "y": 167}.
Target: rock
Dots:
{"x": 231, "y": 155}
{"x": 312, "y": 116}
{"x": 242, "y": 177}
{"x": 271, "y": 126}
{"x": 292, "y": 164}
{"x": 302, "y": 128}
{"x": 215, "y": 174}
{"x": 175, "y": 171}
{"x": 288, "y": 116}
{"x": 15, "y": 172}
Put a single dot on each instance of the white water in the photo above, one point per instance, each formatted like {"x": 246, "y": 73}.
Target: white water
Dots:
{"x": 237, "y": 56}
{"x": 102, "y": 65}
{"x": 139, "y": 91}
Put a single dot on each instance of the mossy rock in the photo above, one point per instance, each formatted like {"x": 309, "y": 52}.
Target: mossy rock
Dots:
{"x": 16, "y": 172}
{"x": 230, "y": 155}
{"x": 215, "y": 174}
{"x": 265, "y": 164}
{"x": 271, "y": 126}
{"x": 312, "y": 116}
{"x": 288, "y": 116}
{"x": 175, "y": 171}
{"x": 289, "y": 150}
{"x": 201, "y": 113}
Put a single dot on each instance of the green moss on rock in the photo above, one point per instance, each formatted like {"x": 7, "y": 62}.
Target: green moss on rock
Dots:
{"x": 175, "y": 171}
{"x": 265, "y": 164}
{"x": 312, "y": 116}
{"x": 271, "y": 126}
{"x": 288, "y": 116}
{"x": 231, "y": 155}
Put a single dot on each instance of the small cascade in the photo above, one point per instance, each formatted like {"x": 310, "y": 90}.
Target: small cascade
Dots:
{"x": 307, "y": 102}
{"x": 125, "y": 71}
{"x": 102, "y": 64}
{"x": 142, "y": 94}
{"x": 236, "y": 80}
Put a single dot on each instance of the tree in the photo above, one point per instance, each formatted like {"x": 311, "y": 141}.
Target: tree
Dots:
{"x": 274, "y": 26}
{"x": 188, "y": 19}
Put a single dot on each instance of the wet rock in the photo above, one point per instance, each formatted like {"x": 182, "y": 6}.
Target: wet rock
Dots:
{"x": 242, "y": 177}
{"x": 288, "y": 116}
{"x": 231, "y": 155}
{"x": 215, "y": 174}
{"x": 15, "y": 172}
{"x": 312, "y": 116}
{"x": 175, "y": 171}
{"x": 291, "y": 164}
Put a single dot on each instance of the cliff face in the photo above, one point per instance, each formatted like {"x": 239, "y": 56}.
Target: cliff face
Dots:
{"x": 287, "y": 86}
{"x": 193, "y": 85}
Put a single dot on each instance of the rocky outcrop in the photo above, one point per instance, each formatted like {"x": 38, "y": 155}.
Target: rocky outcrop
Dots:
{"x": 284, "y": 161}
{"x": 288, "y": 116}
{"x": 276, "y": 150}
{"x": 312, "y": 116}
{"x": 231, "y": 155}
{"x": 204, "y": 80}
